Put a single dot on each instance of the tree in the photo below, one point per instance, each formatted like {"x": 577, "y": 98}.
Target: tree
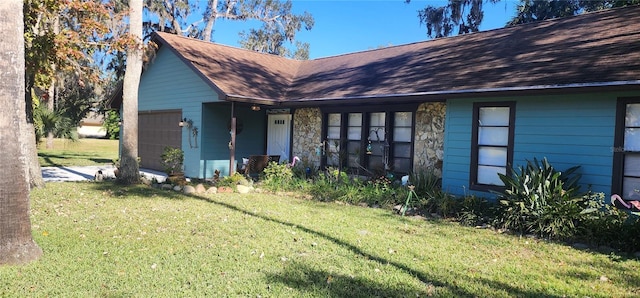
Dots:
{"x": 16, "y": 244}
{"x": 61, "y": 37}
{"x": 280, "y": 25}
{"x": 529, "y": 11}
{"x": 129, "y": 172}
{"x": 467, "y": 15}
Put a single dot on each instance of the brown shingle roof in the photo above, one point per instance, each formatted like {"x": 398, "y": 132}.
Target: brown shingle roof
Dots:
{"x": 601, "y": 48}
{"x": 235, "y": 72}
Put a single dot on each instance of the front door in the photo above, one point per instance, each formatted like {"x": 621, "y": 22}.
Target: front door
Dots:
{"x": 279, "y": 135}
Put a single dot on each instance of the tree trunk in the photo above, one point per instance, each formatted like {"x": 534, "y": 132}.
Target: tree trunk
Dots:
{"x": 129, "y": 172}
{"x": 51, "y": 92}
{"x": 51, "y": 107}
{"x": 208, "y": 28}
{"x": 16, "y": 244}
{"x": 28, "y": 139}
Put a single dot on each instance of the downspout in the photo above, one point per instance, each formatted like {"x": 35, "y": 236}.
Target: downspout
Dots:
{"x": 232, "y": 143}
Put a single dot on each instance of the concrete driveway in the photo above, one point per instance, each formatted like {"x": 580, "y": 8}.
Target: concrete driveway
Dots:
{"x": 86, "y": 173}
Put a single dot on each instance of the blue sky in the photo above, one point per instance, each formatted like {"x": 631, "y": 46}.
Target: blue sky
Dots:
{"x": 345, "y": 26}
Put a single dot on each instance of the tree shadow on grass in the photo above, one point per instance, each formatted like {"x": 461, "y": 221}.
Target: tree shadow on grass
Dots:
{"x": 423, "y": 277}
{"x": 101, "y": 160}
{"x": 54, "y": 160}
{"x": 325, "y": 284}
{"x": 119, "y": 191}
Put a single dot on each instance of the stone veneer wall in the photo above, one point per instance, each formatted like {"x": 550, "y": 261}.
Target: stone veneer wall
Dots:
{"x": 429, "y": 139}
{"x": 307, "y": 126}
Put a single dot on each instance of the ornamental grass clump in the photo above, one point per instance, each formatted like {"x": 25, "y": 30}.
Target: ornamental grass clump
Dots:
{"x": 542, "y": 201}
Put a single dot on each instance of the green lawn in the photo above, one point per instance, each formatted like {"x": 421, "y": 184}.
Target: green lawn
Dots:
{"x": 84, "y": 152}
{"x": 103, "y": 240}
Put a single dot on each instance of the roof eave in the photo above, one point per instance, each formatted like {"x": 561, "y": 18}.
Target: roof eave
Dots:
{"x": 253, "y": 100}
{"x": 451, "y": 94}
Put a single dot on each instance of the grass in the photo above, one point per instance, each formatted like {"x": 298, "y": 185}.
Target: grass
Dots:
{"x": 100, "y": 239}
{"x": 84, "y": 152}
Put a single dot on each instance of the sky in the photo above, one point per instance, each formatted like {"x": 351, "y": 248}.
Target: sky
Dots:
{"x": 346, "y": 26}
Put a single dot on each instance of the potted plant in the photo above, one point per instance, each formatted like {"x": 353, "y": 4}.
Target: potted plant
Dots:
{"x": 172, "y": 160}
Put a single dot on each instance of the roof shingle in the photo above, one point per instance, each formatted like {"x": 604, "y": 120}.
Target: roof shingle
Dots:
{"x": 597, "y": 48}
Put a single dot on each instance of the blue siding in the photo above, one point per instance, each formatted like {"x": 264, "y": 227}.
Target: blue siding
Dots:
{"x": 216, "y": 137}
{"x": 457, "y": 147}
{"x": 568, "y": 130}
{"x": 169, "y": 84}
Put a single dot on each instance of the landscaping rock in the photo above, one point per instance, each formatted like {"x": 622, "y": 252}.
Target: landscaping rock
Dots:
{"x": 243, "y": 189}
{"x": 188, "y": 189}
{"x": 177, "y": 188}
{"x": 166, "y": 186}
{"x": 212, "y": 190}
{"x": 225, "y": 189}
{"x": 200, "y": 188}
{"x": 145, "y": 181}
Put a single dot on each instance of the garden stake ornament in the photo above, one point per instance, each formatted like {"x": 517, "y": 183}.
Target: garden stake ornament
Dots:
{"x": 412, "y": 193}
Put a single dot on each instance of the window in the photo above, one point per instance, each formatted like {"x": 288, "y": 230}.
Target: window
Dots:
{"x": 627, "y": 149}
{"x": 354, "y": 139}
{"x": 379, "y": 150}
{"x": 372, "y": 142}
{"x": 333, "y": 138}
{"x": 492, "y": 144}
{"x": 402, "y": 140}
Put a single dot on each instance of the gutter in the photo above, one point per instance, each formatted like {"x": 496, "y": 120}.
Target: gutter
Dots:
{"x": 434, "y": 95}
{"x": 477, "y": 91}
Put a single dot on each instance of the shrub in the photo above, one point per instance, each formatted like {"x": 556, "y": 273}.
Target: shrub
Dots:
{"x": 336, "y": 185}
{"x": 325, "y": 189}
{"x": 233, "y": 180}
{"x": 440, "y": 202}
{"x": 475, "y": 211}
{"x": 607, "y": 225}
{"x": 277, "y": 177}
{"x": 111, "y": 124}
{"x": 381, "y": 191}
{"x": 336, "y": 176}
{"x": 55, "y": 122}
{"x": 540, "y": 200}
{"x": 305, "y": 169}
{"x": 172, "y": 160}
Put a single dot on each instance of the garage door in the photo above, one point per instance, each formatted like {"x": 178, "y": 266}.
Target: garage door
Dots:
{"x": 156, "y": 130}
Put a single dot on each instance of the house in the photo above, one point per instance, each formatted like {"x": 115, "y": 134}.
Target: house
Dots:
{"x": 91, "y": 125}
{"x": 468, "y": 106}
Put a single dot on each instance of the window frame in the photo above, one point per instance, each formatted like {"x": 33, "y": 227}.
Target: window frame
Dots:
{"x": 475, "y": 147}
{"x": 619, "y": 152}
{"x": 366, "y": 111}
